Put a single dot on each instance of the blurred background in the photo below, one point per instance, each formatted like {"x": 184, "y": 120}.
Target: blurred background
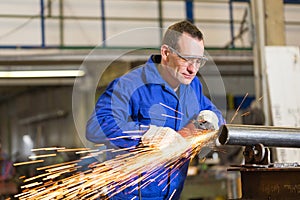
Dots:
{"x": 57, "y": 56}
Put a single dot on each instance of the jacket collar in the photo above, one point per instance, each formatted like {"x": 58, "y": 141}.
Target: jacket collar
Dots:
{"x": 151, "y": 71}
{"x": 153, "y": 76}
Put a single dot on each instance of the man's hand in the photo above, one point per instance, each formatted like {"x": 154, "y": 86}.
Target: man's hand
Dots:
{"x": 162, "y": 137}
{"x": 207, "y": 120}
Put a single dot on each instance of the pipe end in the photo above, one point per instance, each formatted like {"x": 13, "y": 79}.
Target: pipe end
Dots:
{"x": 223, "y": 134}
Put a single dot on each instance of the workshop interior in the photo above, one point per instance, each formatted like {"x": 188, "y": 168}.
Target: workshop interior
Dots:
{"x": 58, "y": 56}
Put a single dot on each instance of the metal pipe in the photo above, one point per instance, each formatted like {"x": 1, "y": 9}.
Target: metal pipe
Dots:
{"x": 246, "y": 135}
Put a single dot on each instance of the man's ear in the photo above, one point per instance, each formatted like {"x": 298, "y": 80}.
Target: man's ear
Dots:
{"x": 165, "y": 52}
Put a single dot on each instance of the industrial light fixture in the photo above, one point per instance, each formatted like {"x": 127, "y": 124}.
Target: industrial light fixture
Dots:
{"x": 41, "y": 73}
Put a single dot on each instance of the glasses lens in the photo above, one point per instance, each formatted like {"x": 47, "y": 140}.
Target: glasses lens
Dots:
{"x": 197, "y": 62}
{"x": 202, "y": 61}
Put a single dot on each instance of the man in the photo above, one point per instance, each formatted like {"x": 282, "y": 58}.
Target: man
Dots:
{"x": 164, "y": 92}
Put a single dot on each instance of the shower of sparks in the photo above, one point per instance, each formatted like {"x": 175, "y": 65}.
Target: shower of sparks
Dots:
{"x": 245, "y": 114}
{"x": 171, "y": 108}
{"x": 28, "y": 162}
{"x": 42, "y": 156}
{"x": 105, "y": 179}
{"x": 237, "y": 110}
{"x": 172, "y": 194}
{"x": 165, "y": 115}
{"x": 248, "y": 112}
{"x": 135, "y": 131}
{"x": 48, "y": 149}
{"x": 70, "y": 150}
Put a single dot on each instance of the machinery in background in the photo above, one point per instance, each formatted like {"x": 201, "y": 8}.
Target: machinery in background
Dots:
{"x": 260, "y": 178}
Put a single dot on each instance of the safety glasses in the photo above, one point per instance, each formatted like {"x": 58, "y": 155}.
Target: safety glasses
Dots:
{"x": 197, "y": 61}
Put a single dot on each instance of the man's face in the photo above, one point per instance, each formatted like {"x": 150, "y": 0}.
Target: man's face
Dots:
{"x": 180, "y": 69}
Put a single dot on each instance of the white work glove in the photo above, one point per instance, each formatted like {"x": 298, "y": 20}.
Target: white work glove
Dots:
{"x": 162, "y": 137}
{"x": 207, "y": 120}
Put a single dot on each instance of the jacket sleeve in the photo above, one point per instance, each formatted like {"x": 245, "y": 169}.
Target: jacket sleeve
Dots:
{"x": 206, "y": 104}
{"x": 111, "y": 119}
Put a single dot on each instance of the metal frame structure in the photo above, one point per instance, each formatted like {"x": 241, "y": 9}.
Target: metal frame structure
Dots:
{"x": 189, "y": 7}
{"x": 104, "y": 20}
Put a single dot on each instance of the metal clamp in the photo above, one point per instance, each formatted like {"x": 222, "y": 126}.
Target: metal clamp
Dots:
{"x": 257, "y": 154}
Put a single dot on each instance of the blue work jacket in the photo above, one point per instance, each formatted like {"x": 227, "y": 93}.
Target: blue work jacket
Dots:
{"x": 138, "y": 99}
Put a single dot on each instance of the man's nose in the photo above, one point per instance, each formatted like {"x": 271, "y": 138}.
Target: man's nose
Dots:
{"x": 192, "y": 67}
